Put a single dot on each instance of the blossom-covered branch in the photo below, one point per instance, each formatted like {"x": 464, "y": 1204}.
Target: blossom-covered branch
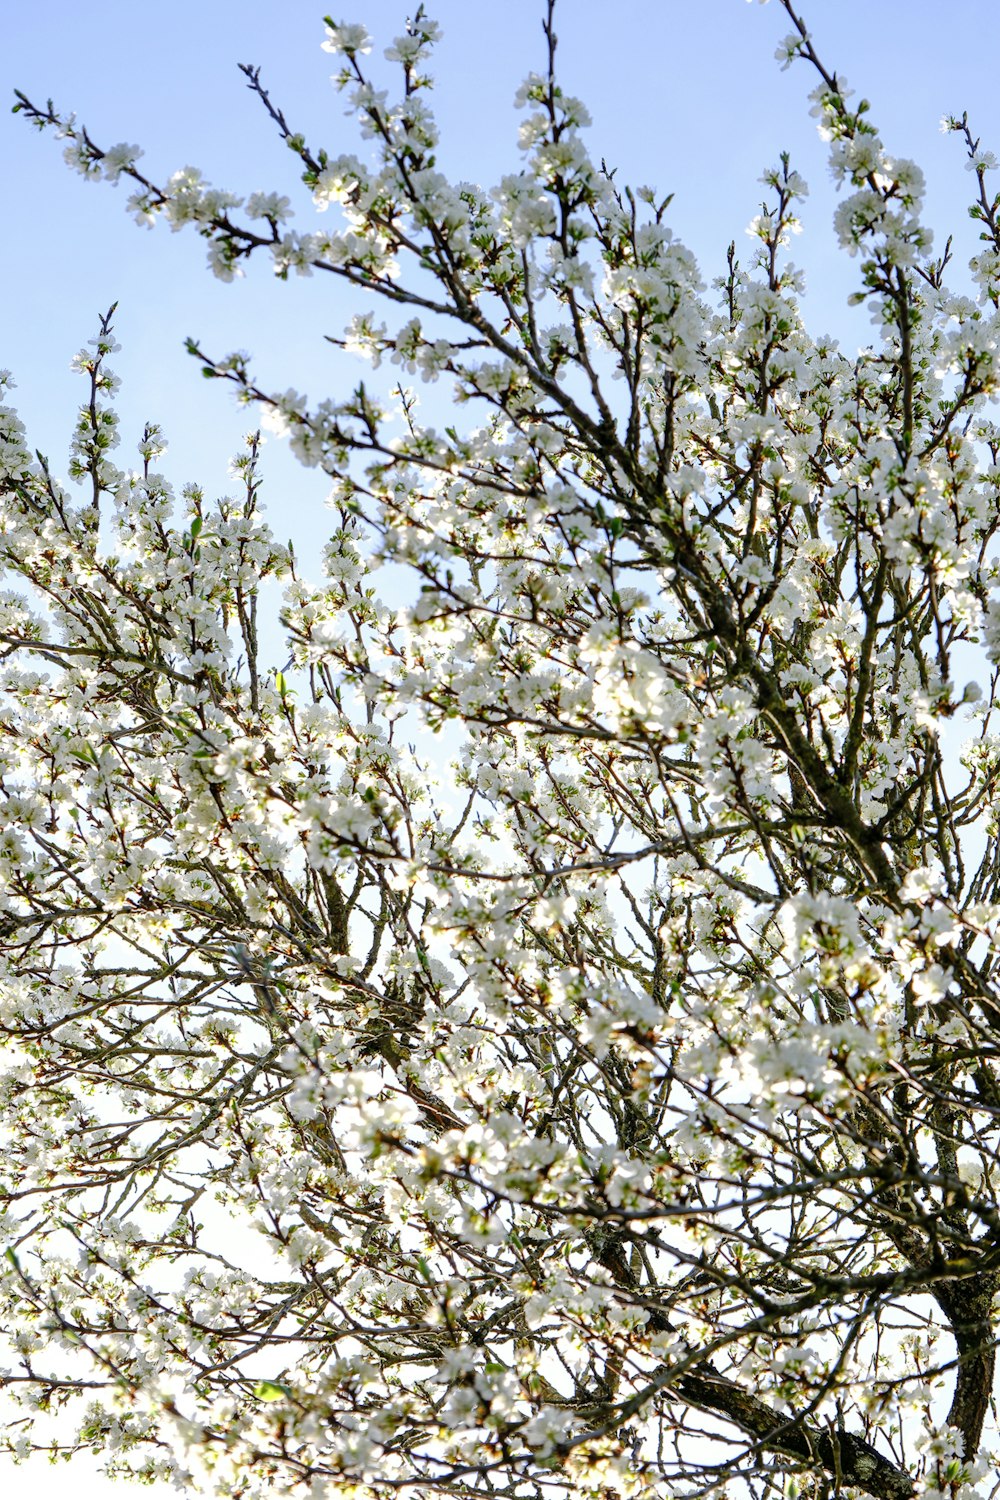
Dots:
{"x": 602, "y": 1095}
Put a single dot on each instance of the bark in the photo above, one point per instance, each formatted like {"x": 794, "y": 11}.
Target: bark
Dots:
{"x": 967, "y": 1307}
{"x": 847, "y": 1458}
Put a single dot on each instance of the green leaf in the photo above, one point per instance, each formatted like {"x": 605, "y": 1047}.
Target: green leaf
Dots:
{"x": 271, "y": 1390}
{"x": 196, "y": 526}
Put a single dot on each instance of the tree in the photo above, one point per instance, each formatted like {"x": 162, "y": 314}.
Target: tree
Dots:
{"x": 612, "y": 1093}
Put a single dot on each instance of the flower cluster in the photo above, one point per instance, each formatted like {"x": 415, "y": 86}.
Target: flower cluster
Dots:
{"x": 561, "y": 998}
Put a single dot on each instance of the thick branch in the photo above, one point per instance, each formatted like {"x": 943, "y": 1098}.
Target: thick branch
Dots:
{"x": 844, "y": 1455}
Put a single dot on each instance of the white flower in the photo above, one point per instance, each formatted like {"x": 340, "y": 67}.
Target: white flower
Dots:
{"x": 347, "y": 39}
{"x": 117, "y": 158}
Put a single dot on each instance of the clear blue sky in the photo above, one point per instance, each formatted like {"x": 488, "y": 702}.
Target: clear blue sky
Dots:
{"x": 685, "y": 96}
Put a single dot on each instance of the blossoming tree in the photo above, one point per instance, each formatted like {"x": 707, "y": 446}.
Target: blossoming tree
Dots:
{"x": 603, "y": 1097}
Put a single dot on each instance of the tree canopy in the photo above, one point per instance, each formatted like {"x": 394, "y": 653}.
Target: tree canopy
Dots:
{"x": 526, "y": 1022}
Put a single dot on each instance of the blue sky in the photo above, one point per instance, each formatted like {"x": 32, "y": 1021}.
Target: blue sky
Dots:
{"x": 685, "y": 96}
